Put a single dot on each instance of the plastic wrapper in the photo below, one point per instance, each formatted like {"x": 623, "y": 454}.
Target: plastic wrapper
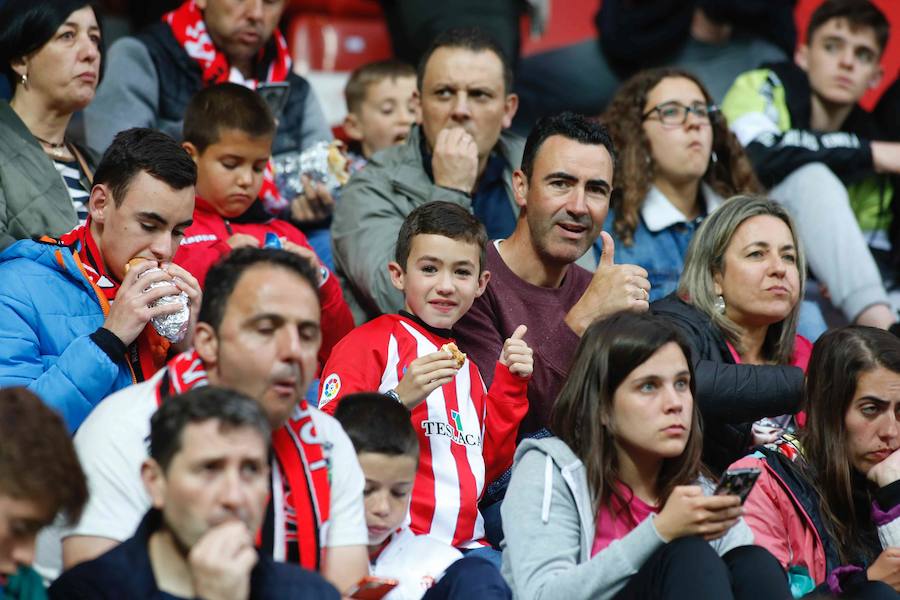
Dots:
{"x": 173, "y": 326}
{"x": 323, "y": 162}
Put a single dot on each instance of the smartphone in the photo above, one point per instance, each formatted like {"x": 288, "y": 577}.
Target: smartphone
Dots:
{"x": 372, "y": 588}
{"x": 276, "y": 95}
{"x": 737, "y": 482}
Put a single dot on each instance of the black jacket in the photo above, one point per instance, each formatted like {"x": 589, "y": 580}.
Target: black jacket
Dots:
{"x": 126, "y": 572}
{"x": 730, "y": 396}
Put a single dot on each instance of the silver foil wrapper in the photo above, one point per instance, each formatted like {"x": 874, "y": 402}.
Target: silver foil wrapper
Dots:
{"x": 173, "y": 326}
{"x": 312, "y": 162}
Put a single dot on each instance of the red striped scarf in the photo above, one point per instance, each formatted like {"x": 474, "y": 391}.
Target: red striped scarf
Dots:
{"x": 300, "y": 456}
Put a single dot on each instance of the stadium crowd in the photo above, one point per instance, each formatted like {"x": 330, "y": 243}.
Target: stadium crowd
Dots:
{"x": 649, "y": 350}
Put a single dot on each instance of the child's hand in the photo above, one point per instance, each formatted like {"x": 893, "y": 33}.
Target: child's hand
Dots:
{"x": 424, "y": 375}
{"x": 517, "y": 355}
{"x": 306, "y": 253}
{"x": 242, "y": 240}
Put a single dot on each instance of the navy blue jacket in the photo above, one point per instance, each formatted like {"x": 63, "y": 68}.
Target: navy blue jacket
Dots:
{"x": 126, "y": 572}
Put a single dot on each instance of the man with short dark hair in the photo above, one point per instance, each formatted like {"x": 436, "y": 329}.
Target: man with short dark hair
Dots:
{"x": 563, "y": 191}
{"x": 150, "y": 78}
{"x": 73, "y": 322}
{"x": 460, "y": 153}
{"x": 258, "y": 332}
{"x": 39, "y": 477}
{"x": 208, "y": 478}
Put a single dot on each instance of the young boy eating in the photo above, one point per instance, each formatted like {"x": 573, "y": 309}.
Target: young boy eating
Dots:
{"x": 228, "y": 131}
{"x": 380, "y": 107}
{"x": 466, "y": 435}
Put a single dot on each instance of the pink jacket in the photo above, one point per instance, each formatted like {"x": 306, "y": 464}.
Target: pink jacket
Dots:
{"x": 779, "y": 523}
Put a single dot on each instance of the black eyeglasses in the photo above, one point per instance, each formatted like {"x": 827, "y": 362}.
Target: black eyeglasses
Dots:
{"x": 676, "y": 113}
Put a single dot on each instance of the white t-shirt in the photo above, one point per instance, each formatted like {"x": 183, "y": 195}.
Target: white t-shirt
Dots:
{"x": 416, "y": 561}
{"x": 112, "y": 444}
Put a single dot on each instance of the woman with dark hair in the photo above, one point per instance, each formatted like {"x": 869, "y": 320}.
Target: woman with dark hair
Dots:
{"x": 738, "y": 305}
{"x": 827, "y": 502}
{"x": 50, "y": 52}
{"x": 615, "y": 506}
{"x": 676, "y": 161}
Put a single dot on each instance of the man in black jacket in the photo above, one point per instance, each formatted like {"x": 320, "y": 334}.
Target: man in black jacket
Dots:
{"x": 208, "y": 478}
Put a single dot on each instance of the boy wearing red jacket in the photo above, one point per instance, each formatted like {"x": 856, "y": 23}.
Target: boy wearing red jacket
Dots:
{"x": 228, "y": 131}
{"x": 466, "y": 434}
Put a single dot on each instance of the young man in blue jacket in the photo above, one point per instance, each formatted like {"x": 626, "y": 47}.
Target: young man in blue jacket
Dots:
{"x": 73, "y": 323}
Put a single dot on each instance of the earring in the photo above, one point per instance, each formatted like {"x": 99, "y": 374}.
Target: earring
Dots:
{"x": 719, "y": 304}
{"x": 713, "y": 157}
{"x": 24, "y": 80}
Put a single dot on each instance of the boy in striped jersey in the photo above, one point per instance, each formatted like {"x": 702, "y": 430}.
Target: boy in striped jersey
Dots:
{"x": 466, "y": 433}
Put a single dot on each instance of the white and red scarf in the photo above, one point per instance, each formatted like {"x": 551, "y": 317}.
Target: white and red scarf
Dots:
{"x": 301, "y": 459}
{"x": 147, "y": 354}
{"x": 189, "y": 29}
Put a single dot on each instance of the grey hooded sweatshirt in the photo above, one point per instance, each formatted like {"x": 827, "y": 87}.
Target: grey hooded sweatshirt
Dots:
{"x": 549, "y": 526}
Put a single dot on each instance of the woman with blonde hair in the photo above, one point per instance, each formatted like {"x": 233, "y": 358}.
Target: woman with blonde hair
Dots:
{"x": 738, "y": 304}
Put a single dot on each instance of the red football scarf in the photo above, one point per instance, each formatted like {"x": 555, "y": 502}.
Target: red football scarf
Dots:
{"x": 147, "y": 354}
{"x": 189, "y": 30}
{"x": 299, "y": 454}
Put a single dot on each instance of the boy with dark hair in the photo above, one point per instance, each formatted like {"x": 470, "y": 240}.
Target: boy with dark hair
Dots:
{"x": 466, "y": 435}
{"x": 820, "y": 153}
{"x": 380, "y": 108}
{"x": 39, "y": 477}
{"x": 388, "y": 452}
{"x": 207, "y": 475}
{"x": 228, "y": 131}
{"x": 73, "y": 322}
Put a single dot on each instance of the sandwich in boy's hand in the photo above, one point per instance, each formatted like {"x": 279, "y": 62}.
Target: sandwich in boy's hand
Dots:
{"x": 457, "y": 355}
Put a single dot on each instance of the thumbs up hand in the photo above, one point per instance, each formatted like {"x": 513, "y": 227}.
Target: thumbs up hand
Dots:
{"x": 613, "y": 288}
{"x": 517, "y": 355}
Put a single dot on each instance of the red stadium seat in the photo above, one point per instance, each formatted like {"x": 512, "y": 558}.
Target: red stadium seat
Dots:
{"x": 329, "y": 43}
{"x": 342, "y": 8}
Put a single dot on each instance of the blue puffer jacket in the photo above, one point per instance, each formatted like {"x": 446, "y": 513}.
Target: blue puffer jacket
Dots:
{"x": 48, "y": 310}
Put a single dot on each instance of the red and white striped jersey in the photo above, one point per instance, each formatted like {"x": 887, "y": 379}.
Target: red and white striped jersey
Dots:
{"x": 466, "y": 435}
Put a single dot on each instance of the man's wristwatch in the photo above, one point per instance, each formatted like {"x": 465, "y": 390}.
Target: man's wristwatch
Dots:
{"x": 393, "y": 395}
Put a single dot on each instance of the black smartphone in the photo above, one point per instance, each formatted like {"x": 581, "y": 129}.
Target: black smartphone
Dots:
{"x": 737, "y": 482}
{"x": 276, "y": 95}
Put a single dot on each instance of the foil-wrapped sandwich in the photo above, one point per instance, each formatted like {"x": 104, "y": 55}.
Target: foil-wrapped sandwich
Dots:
{"x": 323, "y": 162}
{"x": 172, "y": 326}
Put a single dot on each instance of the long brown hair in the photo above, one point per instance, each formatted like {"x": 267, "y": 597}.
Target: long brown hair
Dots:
{"x": 731, "y": 173}
{"x": 583, "y": 415}
{"x": 838, "y": 360}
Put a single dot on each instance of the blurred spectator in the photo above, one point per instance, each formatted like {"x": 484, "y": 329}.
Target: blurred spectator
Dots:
{"x": 808, "y": 139}
{"x": 414, "y": 24}
{"x": 459, "y": 154}
{"x": 717, "y": 39}
{"x": 258, "y": 333}
{"x": 39, "y": 477}
{"x": 151, "y": 77}
{"x": 381, "y": 107}
{"x": 208, "y": 477}
{"x": 826, "y": 503}
{"x": 50, "y": 53}
{"x": 73, "y": 316}
{"x": 563, "y": 189}
{"x": 388, "y": 452}
{"x": 228, "y": 131}
{"x": 738, "y": 303}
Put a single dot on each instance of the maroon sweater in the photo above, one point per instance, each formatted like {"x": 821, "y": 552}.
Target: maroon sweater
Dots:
{"x": 509, "y": 302}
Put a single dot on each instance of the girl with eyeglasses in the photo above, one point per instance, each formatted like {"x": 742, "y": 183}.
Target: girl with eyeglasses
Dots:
{"x": 676, "y": 162}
